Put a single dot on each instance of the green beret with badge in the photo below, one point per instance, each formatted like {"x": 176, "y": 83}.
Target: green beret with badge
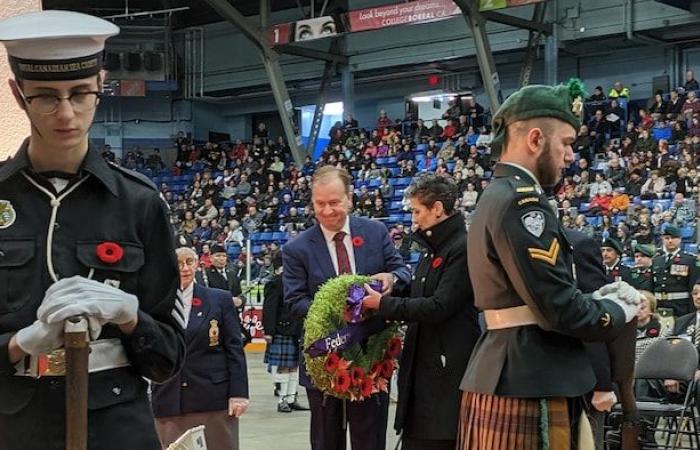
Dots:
{"x": 645, "y": 249}
{"x": 563, "y": 102}
{"x": 672, "y": 231}
{"x": 613, "y": 244}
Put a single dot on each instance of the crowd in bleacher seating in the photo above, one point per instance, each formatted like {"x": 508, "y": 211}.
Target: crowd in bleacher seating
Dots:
{"x": 635, "y": 173}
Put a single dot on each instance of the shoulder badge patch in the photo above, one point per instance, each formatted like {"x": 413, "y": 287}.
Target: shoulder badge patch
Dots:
{"x": 525, "y": 189}
{"x": 534, "y": 222}
{"x": 7, "y": 214}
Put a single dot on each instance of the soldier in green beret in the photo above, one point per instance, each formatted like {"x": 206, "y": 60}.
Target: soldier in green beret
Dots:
{"x": 529, "y": 370}
{"x": 675, "y": 273}
{"x": 611, "y": 250}
{"x": 641, "y": 276}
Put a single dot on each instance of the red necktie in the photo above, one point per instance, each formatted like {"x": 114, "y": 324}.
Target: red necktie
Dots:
{"x": 342, "y": 254}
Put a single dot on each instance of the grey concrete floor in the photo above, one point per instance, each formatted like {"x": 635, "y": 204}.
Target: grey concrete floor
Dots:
{"x": 262, "y": 427}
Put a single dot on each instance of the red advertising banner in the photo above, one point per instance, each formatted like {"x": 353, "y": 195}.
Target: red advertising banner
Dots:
{"x": 133, "y": 88}
{"x": 419, "y": 11}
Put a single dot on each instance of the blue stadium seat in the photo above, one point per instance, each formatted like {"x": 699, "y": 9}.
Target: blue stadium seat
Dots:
{"x": 256, "y": 249}
{"x": 617, "y": 218}
{"x": 391, "y": 160}
{"x": 687, "y": 232}
{"x": 397, "y": 205}
{"x": 691, "y": 248}
{"x": 595, "y": 220}
{"x": 381, "y": 161}
{"x": 407, "y": 218}
{"x": 233, "y": 251}
{"x": 279, "y": 236}
{"x": 413, "y": 259}
{"x": 403, "y": 182}
{"x": 266, "y": 237}
{"x": 394, "y": 171}
{"x": 422, "y": 147}
{"x": 255, "y": 237}
{"x": 396, "y": 217}
{"x": 584, "y": 207}
{"x": 664, "y": 203}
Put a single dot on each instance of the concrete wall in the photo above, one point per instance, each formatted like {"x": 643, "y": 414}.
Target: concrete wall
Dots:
{"x": 13, "y": 121}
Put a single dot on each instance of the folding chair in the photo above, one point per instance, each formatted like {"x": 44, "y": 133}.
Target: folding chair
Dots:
{"x": 671, "y": 358}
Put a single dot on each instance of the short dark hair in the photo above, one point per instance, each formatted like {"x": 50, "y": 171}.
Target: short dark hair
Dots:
{"x": 429, "y": 188}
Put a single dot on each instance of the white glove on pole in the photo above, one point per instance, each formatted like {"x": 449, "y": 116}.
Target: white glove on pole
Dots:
{"x": 79, "y": 296}
{"x": 40, "y": 337}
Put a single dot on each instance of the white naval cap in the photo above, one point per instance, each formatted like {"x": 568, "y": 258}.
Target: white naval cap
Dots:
{"x": 55, "y": 45}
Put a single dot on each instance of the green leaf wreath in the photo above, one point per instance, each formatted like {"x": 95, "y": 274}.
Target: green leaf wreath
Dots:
{"x": 355, "y": 373}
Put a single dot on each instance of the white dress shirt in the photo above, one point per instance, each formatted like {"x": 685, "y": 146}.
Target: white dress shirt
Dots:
{"x": 347, "y": 241}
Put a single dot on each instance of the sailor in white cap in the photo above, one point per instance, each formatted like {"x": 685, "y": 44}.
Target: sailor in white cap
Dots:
{"x": 78, "y": 236}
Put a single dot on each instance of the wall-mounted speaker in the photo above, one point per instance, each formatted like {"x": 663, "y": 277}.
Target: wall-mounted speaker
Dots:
{"x": 132, "y": 61}
{"x": 112, "y": 61}
{"x": 152, "y": 61}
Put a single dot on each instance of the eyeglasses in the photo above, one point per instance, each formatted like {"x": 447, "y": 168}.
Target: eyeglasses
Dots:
{"x": 82, "y": 101}
{"x": 189, "y": 262}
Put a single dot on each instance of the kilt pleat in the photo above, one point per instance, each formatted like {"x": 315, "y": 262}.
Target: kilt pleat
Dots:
{"x": 488, "y": 422}
{"x": 283, "y": 352}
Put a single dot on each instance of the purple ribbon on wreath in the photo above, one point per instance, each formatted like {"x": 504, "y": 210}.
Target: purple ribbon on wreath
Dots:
{"x": 356, "y": 331}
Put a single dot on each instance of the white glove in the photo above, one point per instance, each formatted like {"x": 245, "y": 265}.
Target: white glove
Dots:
{"x": 40, "y": 337}
{"x": 628, "y": 294}
{"x": 603, "y": 401}
{"x": 77, "y": 296}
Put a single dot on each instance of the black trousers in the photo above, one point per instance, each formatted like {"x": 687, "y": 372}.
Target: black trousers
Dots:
{"x": 367, "y": 421}
{"x": 127, "y": 423}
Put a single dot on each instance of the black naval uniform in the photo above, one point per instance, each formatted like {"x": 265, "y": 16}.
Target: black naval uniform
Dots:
{"x": 103, "y": 203}
{"x": 641, "y": 278}
{"x": 519, "y": 255}
{"x": 674, "y": 278}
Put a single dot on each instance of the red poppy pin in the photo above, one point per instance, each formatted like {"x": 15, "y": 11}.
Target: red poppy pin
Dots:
{"x": 677, "y": 259}
{"x": 196, "y": 302}
{"x": 357, "y": 241}
{"x": 652, "y": 332}
{"x": 437, "y": 262}
{"x": 110, "y": 252}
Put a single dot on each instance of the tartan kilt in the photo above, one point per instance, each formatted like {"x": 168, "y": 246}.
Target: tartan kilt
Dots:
{"x": 489, "y": 422}
{"x": 283, "y": 352}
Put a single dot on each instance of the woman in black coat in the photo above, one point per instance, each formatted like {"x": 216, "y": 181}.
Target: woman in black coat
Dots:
{"x": 442, "y": 320}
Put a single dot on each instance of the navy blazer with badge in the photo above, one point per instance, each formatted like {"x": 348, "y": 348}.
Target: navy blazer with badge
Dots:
{"x": 215, "y": 367}
{"x": 308, "y": 264}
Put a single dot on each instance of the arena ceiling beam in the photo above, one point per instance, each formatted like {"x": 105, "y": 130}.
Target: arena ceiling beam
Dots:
{"x": 484, "y": 55}
{"x": 272, "y": 67}
{"x": 517, "y": 22}
{"x": 304, "y": 52}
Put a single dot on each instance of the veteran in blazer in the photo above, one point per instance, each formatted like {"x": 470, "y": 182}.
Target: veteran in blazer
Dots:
{"x": 212, "y": 387}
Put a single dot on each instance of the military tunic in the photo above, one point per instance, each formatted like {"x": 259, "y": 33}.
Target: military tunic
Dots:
{"x": 519, "y": 255}
{"x": 674, "y": 278}
{"x": 618, "y": 272}
{"x": 104, "y": 203}
{"x": 640, "y": 277}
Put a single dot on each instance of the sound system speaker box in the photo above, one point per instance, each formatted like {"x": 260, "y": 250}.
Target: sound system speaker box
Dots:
{"x": 153, "y": 61}
{"x": 132, "y": 62}
{"x": 660, "y": 83}
{"x": 112, "y": 61}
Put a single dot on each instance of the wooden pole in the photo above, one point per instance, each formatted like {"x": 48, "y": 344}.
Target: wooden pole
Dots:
{"x": 622, "y": 352}
{"x": 77, "y": 352}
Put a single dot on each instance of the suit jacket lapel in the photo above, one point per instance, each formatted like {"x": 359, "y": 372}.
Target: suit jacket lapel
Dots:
{"x": 356, "y": 229}
{"x": 198, "y": 314}
{"x": 323, "y": 256}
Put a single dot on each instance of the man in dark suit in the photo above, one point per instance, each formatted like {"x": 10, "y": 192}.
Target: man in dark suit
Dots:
{"x": 340, "y": 244}
{"x": 591, "y": 276}
{"x": 212, "y": 387}
{"x": 220, "y": 275}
